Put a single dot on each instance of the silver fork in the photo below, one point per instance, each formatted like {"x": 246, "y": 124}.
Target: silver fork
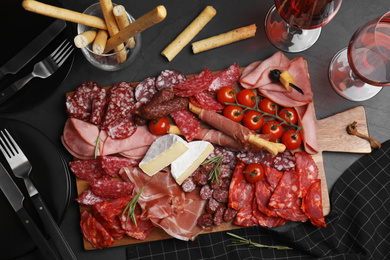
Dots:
{"x": 42, "y": 69}
{"x": 21, "y": 167}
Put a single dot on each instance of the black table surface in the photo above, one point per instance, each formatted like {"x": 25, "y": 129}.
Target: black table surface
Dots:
{"x": 49, "y": 116}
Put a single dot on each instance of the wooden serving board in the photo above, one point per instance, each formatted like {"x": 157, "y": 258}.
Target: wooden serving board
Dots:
{"x": 331, "y": 136}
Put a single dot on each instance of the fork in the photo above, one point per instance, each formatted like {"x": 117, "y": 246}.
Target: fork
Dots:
{"x": 21, "y": 167}
{"x": 42, "y": 69}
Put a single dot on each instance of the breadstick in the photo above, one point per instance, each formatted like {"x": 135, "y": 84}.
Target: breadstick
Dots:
{"x": 64, "y": 14}
{"x": 144, "y": 22}
{"x": 122, "y": 21}
{"x": 189, "y": 33}
{"x": 100, "y": 42}
{"x": 83, "y": 39}
{"x": 112, "y": 27}
{"x": 224, "y": 38}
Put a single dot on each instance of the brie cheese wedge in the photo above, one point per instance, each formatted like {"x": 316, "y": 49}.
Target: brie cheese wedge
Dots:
{"x": 187, "y": 163}
{"x": 163, "y": 152}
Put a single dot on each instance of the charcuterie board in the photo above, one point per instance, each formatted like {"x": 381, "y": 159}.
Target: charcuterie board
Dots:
{"x": 331, "y": 136}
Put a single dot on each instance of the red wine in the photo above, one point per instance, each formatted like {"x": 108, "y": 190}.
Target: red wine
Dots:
{"x": 369, "y": 53}
{"x": 307, "y": 14}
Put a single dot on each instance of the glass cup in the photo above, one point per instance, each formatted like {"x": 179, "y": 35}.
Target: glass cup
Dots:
{"x": 109, "y": 61}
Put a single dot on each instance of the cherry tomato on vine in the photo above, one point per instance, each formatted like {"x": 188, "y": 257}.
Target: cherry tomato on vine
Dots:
{"x": 253, "y": 120}
{"x": 268, "y": 106}
{"x": 233, "y": 113}
{"x": 159, "y": 126}
{"x": 246, "y": 97}
{"x": 288, "y": 114}
{"x": 254, "y": 172}
{"x": 291, "y": 139}
{"x": 272, "y": 127}
{"x": 226, "y": 95}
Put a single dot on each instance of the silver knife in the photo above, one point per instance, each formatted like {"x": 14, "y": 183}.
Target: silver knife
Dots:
{"x": 32, "y": 49}
{"x": 16, "y": 198}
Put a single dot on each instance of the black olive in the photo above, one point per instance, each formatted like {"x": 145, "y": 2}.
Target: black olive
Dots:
{"x": 275, "y": 75}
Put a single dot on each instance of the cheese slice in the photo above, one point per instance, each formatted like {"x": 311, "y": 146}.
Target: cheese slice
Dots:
{"x": 162, "y": 152}
{"x": 187, "y": 163}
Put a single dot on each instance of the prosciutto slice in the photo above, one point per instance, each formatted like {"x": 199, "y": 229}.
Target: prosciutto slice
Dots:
{"x": 165, "y": 203}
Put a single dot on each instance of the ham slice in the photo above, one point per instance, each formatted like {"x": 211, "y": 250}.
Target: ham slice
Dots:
{"x": 165, "y": 203}
{"x": 79, "y": 139}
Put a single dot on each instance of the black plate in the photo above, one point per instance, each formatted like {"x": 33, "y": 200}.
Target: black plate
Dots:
{"x": 50, "y": 175}
{"x": 20, "y": 28}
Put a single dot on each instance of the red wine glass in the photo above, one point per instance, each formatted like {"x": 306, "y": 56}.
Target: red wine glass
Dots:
{"x": 360, "y": 71}
{"x": 295, "y": 25}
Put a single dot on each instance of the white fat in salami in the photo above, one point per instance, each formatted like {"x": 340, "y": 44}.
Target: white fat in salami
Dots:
{"x": 145, "y": 90}
{"x": 169, "y": 78}
{"x": 121, "y": 128}
{"x": 312, "y": 204}
{"x": 307, "y": 171}
{"x": 187, "y": 123}
{"x": 111, "y": 189}
{"x": 88, "y": 198}
{"x": 287, "y": 191}
{"x": 225, "y": 78}
{"x": 112, "y": 164}
{"x": 87, "y": 169}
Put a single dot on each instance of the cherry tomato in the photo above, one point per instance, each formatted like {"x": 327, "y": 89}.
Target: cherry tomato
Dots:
{"x": 226, "y": 95}
{"x": 254, "y": 172}
{"x": 291, "y": 139}
{"x": 268, "y": 106}
{"x": 272, "y": 127}
{"x": 253, "y": 120}
{"x": 246, "y": 97}
{"x": 288, "y": 114}
{"x": 233, "y": 113}
{"x": 159, "y": 126}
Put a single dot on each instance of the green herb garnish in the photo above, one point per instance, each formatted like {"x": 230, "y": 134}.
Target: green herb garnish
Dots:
{"x": 97, "y": 141}
{"x": 239, "y": 241}
{"x": 131, "y": 207}
{"x": 216, "y": 170}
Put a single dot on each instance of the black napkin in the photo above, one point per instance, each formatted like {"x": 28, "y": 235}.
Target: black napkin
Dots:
{"x": 358, "y": 226}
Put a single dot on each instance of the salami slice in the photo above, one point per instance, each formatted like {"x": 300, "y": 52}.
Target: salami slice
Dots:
{"x": 264, "y": 220}
{"x": 287, "y": 191}
{"x": 188, "y": 185}
{"x": 244, "y": 217}
{"x": 98, "y": 107}
{"x": 194, "y": 85}
{"x": 262, "y": 197}
{"x": 108, "y": 214}
{"x": 94, "y": 232}
{"x": 112, "y": 164}
{"x": 307, "y": 171}
{"x": 284, "y": 161}
{"x": 206, "y": 101}
{"x": 241, "y": 192}
{"x": 87, "y": 169}
{"x": 88, "y": 198}
{"x": 121, "y": 128}
{"x": 187, "y": 123}
{"x": 111, "y": 189}
{"x": 294, "y": 213}
{"x": 169, "y": 78}
{"x": 143, "y": 229}
{"x": 218, "y": 215}
{"x": 228, "y": 155}
{"x": 145, "y": 90}
{"x": 273, "y": 176}
{"x": 225, "y": 78}
{"x": 312, "y": 204}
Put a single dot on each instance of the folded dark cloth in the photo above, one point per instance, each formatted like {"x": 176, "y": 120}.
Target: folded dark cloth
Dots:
{"x": 358, "y": 226}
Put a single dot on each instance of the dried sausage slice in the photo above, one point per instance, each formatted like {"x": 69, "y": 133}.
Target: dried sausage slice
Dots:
{"x": 312, "y": 204}
{"x": 287, "y": 191}
{"x": 169, "y": 78}
{"x": 194, "y": 85}
{"x": 145, "y": 90}
{"x": 225, "y": 78}
{"x": 241, "y": 192}
{"x": 107, "y": 188}
{"x": 307, "y": 171}
{"x": 87, "y": 169}
{"x": 94, "y": 232}
{"x": 187, "y": 123}
{"x": 112, "y": 164}
{"x": 143, "y": 229}
{"x": 88, "y": 198}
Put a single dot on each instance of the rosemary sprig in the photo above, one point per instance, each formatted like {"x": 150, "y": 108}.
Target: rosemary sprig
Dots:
{"x": 131, "y": 207}
{"x": 239, "y": 241}
{"x": 97, "y": 141}
{"x": 216, "y": 170}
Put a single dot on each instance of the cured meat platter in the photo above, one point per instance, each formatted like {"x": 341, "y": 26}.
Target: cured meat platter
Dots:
{"x": 331, "y": 136}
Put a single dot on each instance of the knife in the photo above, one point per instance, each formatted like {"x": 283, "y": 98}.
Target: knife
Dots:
{"x": 16, "y": 198}
{"x": 32, "y": 49}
